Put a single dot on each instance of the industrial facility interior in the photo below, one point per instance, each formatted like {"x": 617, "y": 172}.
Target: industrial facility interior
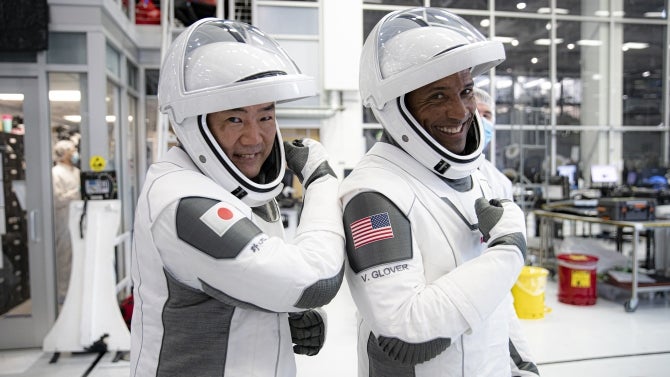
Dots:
{"x": 582, "y": 131}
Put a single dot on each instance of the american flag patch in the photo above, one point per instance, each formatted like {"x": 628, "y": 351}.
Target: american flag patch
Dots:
{"x": 371, "y": 229}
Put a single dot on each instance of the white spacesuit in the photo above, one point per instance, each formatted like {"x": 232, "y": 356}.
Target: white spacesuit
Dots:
{"x": 66, "y": 184}
{"x": 214, "y": 281}
{"x": 431, "y": 259}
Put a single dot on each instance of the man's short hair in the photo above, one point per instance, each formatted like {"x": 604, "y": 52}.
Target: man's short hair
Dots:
{"x": 483, "y": 96}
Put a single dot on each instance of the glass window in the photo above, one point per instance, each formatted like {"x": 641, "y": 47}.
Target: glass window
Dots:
{"x": 67, "y": 48}
{"x": 643, "y": 51}
{"x": 522, "y": 80}
{"x": 111, "y": 118}
{"x": 417, "y": 3}
{"x": 132, "y": 75}
{"x": 643, "y": 151}
{"x": 582, "y": 69}
{"x": 645, "y": 9}
{"x": 571, "y": 7}
{"x": 67, "y": 94}
{"x": 288, "y": 20}
{"x": 461, "y": 4}
{"x": 523, "y": 153}
{"x": 113, "y": 61}
{"x": 151, "y": 81}
{"x": 151, "y": 108}
{"x": 537, "y": 6}
{"x": 151, "y": 111}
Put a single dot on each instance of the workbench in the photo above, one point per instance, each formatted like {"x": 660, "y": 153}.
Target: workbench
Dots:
{"x": 548, "y": 219}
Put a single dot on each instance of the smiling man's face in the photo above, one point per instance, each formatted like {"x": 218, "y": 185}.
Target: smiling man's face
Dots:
{"x": 445, "y": 109}
{"x": 246, "y": 135}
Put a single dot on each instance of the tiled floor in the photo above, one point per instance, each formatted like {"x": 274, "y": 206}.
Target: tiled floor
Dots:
{"x": 598, "y": 340}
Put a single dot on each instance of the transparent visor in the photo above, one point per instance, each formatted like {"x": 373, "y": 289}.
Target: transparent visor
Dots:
{"x": 410, "y": 30}
{"x": 248, "y": 54}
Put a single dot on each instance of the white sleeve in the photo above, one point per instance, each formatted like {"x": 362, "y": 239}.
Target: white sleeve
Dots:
{"x": 389, "y": 286}
{"x": 213, "y": 246}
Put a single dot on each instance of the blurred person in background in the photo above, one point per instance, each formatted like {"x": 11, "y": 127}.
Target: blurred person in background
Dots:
{"x": 65, "y": 177}
{"x": 499, "y": 182}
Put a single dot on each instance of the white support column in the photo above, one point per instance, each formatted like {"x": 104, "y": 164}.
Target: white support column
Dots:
{"x": 96, "y": 132}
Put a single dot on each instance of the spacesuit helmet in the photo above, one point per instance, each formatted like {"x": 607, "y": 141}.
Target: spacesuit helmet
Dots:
{"x": 409, "y": 49}
{"x": 217, "y": 65}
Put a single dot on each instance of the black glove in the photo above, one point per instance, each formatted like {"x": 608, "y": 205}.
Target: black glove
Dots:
{"x": 502, "y": 222}
{"x": 308, "y": 160}
{"x": 308, "y": 331}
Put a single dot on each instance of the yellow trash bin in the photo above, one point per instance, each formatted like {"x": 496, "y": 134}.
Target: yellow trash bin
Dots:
{"x": 528, "y": 293}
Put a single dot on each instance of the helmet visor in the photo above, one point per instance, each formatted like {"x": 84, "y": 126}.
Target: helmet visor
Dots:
{"x": 249, "y": 54}
{"x": 443, "y": 31}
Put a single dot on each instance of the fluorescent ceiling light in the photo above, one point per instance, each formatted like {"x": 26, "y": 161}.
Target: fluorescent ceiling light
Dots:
{"x": 65, "y": 95}
{"x": 547, "y": 41}
{"x": 502, "y": 83}
{"x": 11, "y": 97}
{"x": 503, "y": 39}
{"x": 483, "y": 82}
{"x": 589, "y": 42}
{"x": 534, "y": 83}
{"x": 77, "y": 118}
{"x": 634, "y": 46}
{"x": 545, "y": 10}
{"x": 72, "y": 118}
{"x": 655, "y": 14}
{"x": 605, "y": 13}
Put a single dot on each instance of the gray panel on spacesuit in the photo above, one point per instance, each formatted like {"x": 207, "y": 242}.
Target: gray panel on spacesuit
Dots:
{"x": 520, "y": 363}
{"x": 182, "y": 333}
{"x": 387, "y": 353}
{"x": 192, "y": 230}
{"x": 321, "y": 292}
{"x": 377, "y": 232}
{"x": 323, "y": 169}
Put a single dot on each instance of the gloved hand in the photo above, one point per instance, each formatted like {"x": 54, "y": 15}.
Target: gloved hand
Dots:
{"x": 308, "y": 331}
{"x": 308, "y": 160}
{"x": 501, "y": 221}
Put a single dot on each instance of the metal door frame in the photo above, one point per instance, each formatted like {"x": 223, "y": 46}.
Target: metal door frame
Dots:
{"x": 29, "y": 331}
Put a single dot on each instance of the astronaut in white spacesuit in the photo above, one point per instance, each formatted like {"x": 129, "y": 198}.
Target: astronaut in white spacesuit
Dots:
{"x": 65, "y": 176}
{"x": 217, "y": 290}
{"x": 498, "y": 181}
{"x": 432, "y": 254}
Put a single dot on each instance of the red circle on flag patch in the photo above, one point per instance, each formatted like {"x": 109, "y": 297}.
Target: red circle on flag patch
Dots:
{"x": 225, "y": 213}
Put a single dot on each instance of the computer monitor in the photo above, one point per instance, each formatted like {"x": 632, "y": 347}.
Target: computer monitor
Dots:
{"x": 605, "y": 174}
{"x": 569, "y": 171}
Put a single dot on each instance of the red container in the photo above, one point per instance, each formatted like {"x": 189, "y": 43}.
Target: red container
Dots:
{"x": 577, "y": 279}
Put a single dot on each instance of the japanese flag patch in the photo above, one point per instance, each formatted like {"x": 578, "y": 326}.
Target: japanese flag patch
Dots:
{"x": 220, "y": 217}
